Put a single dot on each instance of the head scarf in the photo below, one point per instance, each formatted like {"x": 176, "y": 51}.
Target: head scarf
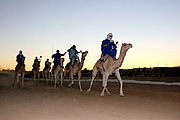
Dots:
{"x": 109, "y": 36}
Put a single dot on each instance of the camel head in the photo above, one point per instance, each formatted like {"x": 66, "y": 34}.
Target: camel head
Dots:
{"x": 84, "y": 55}
{"x": 126, "y": 46}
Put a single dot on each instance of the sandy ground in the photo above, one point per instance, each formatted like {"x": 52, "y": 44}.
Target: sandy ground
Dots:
{"x": 38, "y": 101}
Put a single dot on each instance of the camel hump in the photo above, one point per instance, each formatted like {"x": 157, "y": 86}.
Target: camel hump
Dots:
{"x": 104, "y": 58}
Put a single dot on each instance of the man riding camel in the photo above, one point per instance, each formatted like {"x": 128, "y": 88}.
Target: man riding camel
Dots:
{"x": 57, "y": 58}
{"x": 47, "y": 64}
{"x": 108, "y": 47}
{"x": 19, "y": 59}
{"x": 37, "y": 62}
{"x": 73, "y": 55}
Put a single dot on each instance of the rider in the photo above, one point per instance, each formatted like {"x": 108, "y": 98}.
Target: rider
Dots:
{"x": 36, "y": 59}
{"x": 36, "y": 62}
{"x": 57, "y": 58}
{"x": 108, "y": 47}
{"x": 19, "y": 60}
{"x": 47, "y": 64}
{"x": 73, "y": 55}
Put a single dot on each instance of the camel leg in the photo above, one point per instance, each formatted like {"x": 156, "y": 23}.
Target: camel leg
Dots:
{"x": 102, "y": 93}
{"x": 43, "y": 76}
{"x": 14, "y": 80}
{"x": 18, "y": 75}
{"x": 105, "y": 78}
{"x": 105, "y": 89}
{"x": 51, "y": 80}
{"x": 34, "y": 77}
{"x": 104, "y": 84}
{"x": 49, "y": 75}
{"x": 108, "y": 91}
{"x": 120, "y": 81}
{"x": 55, "y": 80}
{"x": 22, "y": 78}
{"x": 79, "y": 77}
{"x": 46, "y": 77}
{"x": 71, "y": 77}
{"x": 38, "y": 75}
{"x": 61, "y": 78}
{"x": 94, "y": 73}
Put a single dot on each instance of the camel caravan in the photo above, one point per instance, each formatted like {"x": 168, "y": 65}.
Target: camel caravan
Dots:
{"x": 53, "y": 74}
{"x": 106, "y": 65}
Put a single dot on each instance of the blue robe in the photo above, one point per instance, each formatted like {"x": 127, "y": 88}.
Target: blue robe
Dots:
{"x": 109, "y": 48}
{"x": 19, "y": 58}
{"x": 57, "y": 58}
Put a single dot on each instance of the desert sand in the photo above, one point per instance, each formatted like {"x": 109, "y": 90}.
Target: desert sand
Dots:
{"x": 38, "y": 101}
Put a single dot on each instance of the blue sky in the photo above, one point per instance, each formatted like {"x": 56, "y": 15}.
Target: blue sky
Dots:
{"x": 40, "y": 27}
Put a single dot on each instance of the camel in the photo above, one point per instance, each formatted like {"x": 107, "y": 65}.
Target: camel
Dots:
{"x": 19, "y": 74}
{"x": 58, "y": 71}
{"x": 46, "y": 72}
{"x": 108, "y": 67}
{"x": 35, "y": 70}
{"x": 75, "y": 69}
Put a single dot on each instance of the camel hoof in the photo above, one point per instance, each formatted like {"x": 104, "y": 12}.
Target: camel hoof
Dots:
{"x": 89, "y": 90}
{"x": 109, "y": 94}
{"x": 69, "y": 85}
{"x": 121, "y": 95}
{"x": 81, "y": 91}
{"x": 102, "y": 95}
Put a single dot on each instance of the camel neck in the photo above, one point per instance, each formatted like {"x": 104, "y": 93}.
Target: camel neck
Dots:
{"x": 81, "y": 64}
{"x": 121, "y": 58}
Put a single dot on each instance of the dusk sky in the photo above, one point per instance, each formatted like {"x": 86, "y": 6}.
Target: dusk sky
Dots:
{"x": 40, "y": 27}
